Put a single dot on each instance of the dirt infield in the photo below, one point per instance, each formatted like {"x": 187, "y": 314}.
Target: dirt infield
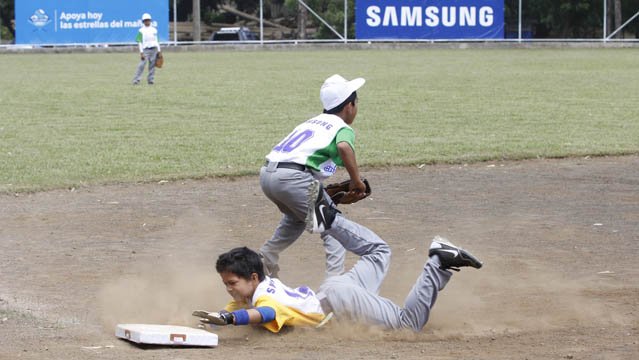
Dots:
{"x": 559, "y": 239}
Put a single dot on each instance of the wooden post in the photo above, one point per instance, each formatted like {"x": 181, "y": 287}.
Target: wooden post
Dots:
{"x": 302, "y": 17}
{"x": 197, "y": 30}
{"x": 618, "y": 19}
{"x": 609, "y": 20}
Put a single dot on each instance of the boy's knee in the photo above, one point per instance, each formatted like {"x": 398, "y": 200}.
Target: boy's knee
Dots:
{"x": 383, "y": 250}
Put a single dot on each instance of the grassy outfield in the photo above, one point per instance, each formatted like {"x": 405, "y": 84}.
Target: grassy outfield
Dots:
{"x": 75, "y": 119}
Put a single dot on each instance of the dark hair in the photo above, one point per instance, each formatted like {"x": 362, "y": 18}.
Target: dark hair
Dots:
{"x": 340, "y": 107}
{"x": 242, "y": 262}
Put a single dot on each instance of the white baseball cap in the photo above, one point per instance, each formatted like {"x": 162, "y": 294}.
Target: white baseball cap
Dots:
{"x": 336, "y": 90}
{"x": 146, "y": 16}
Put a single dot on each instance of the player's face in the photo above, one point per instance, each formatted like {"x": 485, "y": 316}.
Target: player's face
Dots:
{"x": 351, "y": 112}
{"x": 239, "y": 288}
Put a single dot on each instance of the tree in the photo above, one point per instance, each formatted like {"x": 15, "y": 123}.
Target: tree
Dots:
{"x": 332, "y": 11}
{"x": 618, "y": 21}
{"x": 630, "y": 8}
{"x": 569, "y": 18}
{"x": 6, "y": 20}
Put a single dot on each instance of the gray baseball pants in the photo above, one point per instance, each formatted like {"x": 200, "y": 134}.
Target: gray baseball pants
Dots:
{"x": 354, "y": 294}
{"x": 289, "y": 190}
{"x": 150, "y": 55}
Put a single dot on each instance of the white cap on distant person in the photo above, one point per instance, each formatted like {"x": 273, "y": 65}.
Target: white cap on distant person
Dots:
{"x": 336, "y": 90}
{"x": 146, "y": 16}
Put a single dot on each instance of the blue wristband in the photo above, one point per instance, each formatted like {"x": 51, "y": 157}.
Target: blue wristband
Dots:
{"x": 241, "y": 317}
{"x": 267, "y": 312}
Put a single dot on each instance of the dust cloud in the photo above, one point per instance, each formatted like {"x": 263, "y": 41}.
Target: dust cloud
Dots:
{"x": 166, "y": 290}
{"x": 509, "y": 297}
{"x": 505, "y": 296}
{"x": 166, "y": 295}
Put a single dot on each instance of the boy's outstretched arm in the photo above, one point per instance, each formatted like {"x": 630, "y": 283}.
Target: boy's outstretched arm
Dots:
{"x": 262, "y": 314}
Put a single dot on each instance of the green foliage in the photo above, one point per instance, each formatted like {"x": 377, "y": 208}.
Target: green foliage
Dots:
{"x": 566, "y": 18}
{"x": 6, "y": 18}
{"x": 210, "y": 16}
{"x": 291, "y": 5}
{"x": 332, "y": 11}
{"x": 76, "y": 119}
{"x": 6, "y": 35}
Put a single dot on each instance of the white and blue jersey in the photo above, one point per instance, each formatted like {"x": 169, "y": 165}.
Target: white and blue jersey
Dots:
{"x": 293, "y": 307}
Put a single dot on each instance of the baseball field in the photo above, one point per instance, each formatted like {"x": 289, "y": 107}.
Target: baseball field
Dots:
{"x": 115, "y": 199}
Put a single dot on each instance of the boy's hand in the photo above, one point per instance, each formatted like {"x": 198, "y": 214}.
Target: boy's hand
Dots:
{"x": 216, "y": 318}
{"x": 347, "y": 193}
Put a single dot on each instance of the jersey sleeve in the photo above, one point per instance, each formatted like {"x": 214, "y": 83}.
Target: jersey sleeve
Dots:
{"x": 346, "y": 135}
{"x": 286, "y": 316}
{"x": 281, "y": 315}
{"x": 138, "y": 39}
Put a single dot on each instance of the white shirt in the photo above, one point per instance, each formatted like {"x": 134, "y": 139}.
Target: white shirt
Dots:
{"x": 311, "y": 144}
{"x": 148, "y": 38}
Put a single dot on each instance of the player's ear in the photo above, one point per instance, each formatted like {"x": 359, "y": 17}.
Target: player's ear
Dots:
{"x": 255, "y": 277}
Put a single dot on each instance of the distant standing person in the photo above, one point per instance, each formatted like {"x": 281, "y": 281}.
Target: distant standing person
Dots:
{"x": 149, "y": 45}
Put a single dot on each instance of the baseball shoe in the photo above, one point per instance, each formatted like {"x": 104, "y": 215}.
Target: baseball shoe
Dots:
{"x": 327, "y": 318}
{"x": 320, "y": 213}
{"x": 451, "y": 256}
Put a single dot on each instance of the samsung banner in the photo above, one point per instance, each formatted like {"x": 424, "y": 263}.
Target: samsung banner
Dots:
{"x": 87, "y": 21}
{"x": 429, "y": 19}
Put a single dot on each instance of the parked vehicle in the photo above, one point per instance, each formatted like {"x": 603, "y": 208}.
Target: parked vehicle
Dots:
{"x": 234, "y": 34}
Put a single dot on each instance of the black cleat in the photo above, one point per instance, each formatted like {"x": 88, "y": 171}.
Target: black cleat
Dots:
{"x": 320, "y": 213}
{"x": 451, "y": 256}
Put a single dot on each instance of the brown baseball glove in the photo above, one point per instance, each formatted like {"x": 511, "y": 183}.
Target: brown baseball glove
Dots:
{"x": 159, "y": 60}
{"x": 340, "y": 192}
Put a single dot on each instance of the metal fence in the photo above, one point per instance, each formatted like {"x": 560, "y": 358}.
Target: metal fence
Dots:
{"x": 519, "y": 31}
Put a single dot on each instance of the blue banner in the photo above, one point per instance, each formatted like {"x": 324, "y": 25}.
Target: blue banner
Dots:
{"x": 429, "y": 19}
{"x": 47, "y": 22}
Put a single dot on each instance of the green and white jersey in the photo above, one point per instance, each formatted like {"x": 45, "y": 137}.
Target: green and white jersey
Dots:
{"x": 314, "y": 143}
{"x": 147, "y": 38}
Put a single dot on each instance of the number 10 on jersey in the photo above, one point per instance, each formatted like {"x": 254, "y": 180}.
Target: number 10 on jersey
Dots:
{"x": 293, "y": 141}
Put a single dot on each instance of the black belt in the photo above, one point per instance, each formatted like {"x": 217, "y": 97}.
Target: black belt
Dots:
{"x": 289, "y": 165}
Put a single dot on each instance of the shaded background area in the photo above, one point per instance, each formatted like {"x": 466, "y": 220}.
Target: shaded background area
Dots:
{"x": 287, "y": 19}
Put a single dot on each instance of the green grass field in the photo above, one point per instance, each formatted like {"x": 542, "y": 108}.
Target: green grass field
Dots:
{"x": 74, "y": 119}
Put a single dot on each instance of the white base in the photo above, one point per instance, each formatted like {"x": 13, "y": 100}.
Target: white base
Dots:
{"x": 165, "y": 335}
